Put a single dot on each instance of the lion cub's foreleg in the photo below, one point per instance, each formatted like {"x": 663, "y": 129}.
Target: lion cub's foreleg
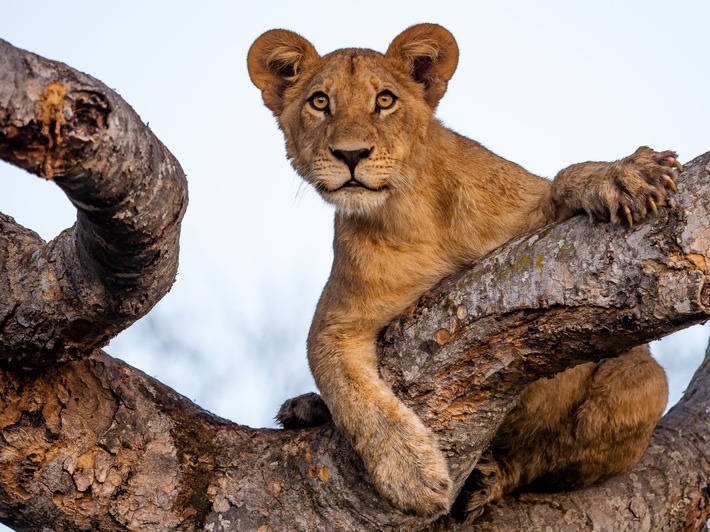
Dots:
{"x": 589, "y": 422}
{"x": 400, "y": 454}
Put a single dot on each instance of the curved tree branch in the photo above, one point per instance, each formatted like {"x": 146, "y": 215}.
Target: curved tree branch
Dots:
{"x": 94, "y": 444}
{"x": 92, "y": 281}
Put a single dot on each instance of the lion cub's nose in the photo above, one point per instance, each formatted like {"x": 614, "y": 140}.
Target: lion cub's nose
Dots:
{"x": 351, "y": 157}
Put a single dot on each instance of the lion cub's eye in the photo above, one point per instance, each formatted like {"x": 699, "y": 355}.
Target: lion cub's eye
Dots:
{"x": 319, "y": 101}
{"x": 385, "y": 100}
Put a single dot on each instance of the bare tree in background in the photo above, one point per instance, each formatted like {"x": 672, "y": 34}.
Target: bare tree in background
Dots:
{"x": 89, "y": 443}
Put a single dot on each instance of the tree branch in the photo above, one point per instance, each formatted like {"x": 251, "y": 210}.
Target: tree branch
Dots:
{"x": 94, "y": 444}
{"x": 79, "y": 290}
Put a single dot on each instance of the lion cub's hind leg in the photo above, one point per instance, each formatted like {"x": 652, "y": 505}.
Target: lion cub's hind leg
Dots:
{"x": 587, "y": 423}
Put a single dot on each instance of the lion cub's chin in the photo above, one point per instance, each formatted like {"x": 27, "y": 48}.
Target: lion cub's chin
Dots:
{"x": 356, "y": 200}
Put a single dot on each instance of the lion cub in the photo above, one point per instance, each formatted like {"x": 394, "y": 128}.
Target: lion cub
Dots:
{"x": 415, "y": 202}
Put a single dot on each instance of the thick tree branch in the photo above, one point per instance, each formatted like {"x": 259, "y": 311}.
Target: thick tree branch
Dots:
{"x": 92, "y": 281}
{"x": 94, "y": 444}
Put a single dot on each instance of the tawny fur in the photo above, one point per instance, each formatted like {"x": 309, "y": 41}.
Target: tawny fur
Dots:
{"x": 585, "y": 424}
{"x": 416, "y": 202}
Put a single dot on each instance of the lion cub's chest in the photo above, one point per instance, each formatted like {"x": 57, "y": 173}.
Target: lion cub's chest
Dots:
{"x": 385, "y": 277}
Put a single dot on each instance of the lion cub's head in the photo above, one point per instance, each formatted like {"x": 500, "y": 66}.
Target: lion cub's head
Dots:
{"x": 355, "y": 120}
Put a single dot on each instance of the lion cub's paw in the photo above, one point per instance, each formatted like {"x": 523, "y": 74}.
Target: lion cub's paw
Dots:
{"x": 636, "y": 186}
{"x": 485, "y": 484}
{"x": 307, "y": 410}
{"x": 411, "y": 472}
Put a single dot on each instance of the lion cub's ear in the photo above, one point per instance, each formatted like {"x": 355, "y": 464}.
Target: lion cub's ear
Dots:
{"x": 275, "y": 60}
{"x": 430, "y": 53}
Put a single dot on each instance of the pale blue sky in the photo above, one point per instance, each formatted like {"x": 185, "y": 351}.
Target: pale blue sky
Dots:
{"x": 545, "y": 84}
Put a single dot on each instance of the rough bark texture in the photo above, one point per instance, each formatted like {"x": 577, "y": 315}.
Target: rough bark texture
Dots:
{"x": 65, "y": 297}
{"x": 89, "y": 443}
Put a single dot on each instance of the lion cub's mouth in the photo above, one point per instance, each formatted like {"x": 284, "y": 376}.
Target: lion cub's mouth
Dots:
{"x": 354, "y": 184}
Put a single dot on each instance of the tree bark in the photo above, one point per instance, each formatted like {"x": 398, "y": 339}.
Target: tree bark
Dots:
{"x": 89, "y": 443}
{"x": 73, "y": 294}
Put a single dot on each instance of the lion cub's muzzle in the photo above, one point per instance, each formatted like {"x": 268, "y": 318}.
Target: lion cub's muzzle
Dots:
{"x": 351, "y": 158}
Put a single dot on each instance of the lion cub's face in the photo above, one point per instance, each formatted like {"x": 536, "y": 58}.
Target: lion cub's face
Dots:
{"x": 350, "y": 128}
{"x": 354, "y": 120}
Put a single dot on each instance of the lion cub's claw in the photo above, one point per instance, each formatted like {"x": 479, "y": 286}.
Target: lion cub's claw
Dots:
{"x": 627, "y": 214}
{"x": 668, "y": 182}
{"x": 641, "y": 184}
{"x": 675, "y": 162}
